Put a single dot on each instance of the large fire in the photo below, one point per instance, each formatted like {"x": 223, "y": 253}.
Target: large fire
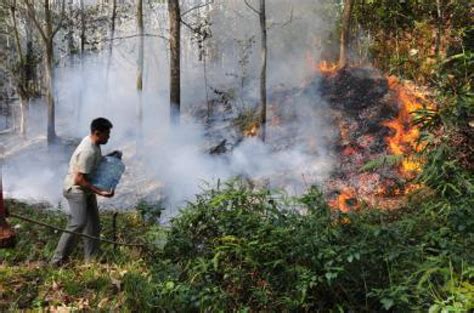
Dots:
{"x": 404, "y": 141}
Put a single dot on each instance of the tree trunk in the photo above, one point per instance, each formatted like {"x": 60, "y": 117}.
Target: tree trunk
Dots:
{"x": 83, "y": 27}
{"x": 439, "y": 22}
{"x": 23, "y": 115}
{"x": 51, "y": 133}
{"x": 70, "y": 29}
{"x": 141, "y": 43}
{"x": 140, "y": 60}
{"x": 346, "y": 25}
{"x": 22, "y": 83}
{"x": 49, "y": 57}
{"x": 263, "y": 71}
{"x": 175, "y": 36}
{"x": 112, "y": 25}
{"x": 19, "y": 51}
{"x": 112, "y": 35}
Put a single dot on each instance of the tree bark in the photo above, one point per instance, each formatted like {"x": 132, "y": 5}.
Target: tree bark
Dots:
{"x": 175, "y": 68}
{"x": 346, "y": 25}
{"x": 263, "y": 71}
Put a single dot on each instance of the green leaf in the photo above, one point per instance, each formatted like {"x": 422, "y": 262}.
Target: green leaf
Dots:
{"x": 387, "y": 303}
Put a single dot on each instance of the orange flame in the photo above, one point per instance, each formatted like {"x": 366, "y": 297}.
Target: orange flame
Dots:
{"x": 323, "y": 67}
{"x": 346, "y": 201}
{"x": 327, "y": 67}
{"x": 405, "y": 136}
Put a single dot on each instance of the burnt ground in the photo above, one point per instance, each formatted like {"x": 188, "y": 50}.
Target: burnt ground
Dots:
{"x": 350, "y": 105}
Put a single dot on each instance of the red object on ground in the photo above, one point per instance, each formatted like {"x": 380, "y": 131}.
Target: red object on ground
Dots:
{"x": 7, "y": 235}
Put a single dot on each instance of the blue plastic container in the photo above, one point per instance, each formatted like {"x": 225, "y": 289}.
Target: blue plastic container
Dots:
{"x": 108, "y": 173}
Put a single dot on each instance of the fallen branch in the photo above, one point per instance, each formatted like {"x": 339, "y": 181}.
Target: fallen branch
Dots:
{"x": 75, "y": 233}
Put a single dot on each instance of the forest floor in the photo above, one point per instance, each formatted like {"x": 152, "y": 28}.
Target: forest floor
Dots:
{"x": 28, "y": 281}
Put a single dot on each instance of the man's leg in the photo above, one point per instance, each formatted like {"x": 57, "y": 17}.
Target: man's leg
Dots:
{"x": 77, "y": 222}
{"x": 92, "y": 228}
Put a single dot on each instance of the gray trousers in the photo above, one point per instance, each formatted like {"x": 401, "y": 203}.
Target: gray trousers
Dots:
{"x": 84, "y": 218}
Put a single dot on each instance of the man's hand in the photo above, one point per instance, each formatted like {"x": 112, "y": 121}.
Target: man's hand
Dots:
{"x": 115, "y": 153}
{"x": 106, "y": 193}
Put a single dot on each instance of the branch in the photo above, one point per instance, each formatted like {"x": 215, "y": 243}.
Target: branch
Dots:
{"x": 197, "y": 7}
{"x": 190, "y": 27}
{"x": 31, "y": 13}
{"x": 290, "y": 19}
{"x": 134, "y": 36}
{"x": 251, "y": 7}
{"x": 60, "y": 23}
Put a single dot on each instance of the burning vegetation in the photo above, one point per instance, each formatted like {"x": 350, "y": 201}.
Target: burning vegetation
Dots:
{"x": 373, "y": 138}
{"x": 375, "y": 120}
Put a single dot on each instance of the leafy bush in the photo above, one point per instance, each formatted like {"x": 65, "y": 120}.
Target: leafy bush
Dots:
{"x": 237, "y": 249}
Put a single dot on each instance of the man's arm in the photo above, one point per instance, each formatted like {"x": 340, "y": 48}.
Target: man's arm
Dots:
{"x": 81, "y": 180}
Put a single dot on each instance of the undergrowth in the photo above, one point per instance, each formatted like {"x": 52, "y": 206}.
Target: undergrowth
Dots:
{"x": 236, "y": 249}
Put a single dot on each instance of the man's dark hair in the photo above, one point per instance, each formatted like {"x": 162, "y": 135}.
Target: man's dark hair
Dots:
{"x": 101, "y": 124}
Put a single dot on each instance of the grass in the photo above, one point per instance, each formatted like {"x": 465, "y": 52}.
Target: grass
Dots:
{"x": 27, "y": 281}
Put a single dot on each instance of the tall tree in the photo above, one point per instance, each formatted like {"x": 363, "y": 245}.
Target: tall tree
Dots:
{"x": 175, "y": 53}
{"x": 70, "y": 29}
{"x": 263, "y": 70}
{"x": 345, "y": 32}
{"x": 140, "y": 59}
{"x": 21, "y": 80}
{"x": 47, "y": 33}
{"x": 111, "y": 38}
{"x": 263, "y": 67}
{"x": 83, "y": 26}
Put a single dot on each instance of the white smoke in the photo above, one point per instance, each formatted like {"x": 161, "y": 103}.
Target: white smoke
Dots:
{"x": 173, "y": 162}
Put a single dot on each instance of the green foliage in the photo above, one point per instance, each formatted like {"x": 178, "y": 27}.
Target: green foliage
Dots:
{"x": 409, "y": 38}
{"x": 249, "y": 251}
{"x": 385, "y": 160}
{"x": 236, "y": 249}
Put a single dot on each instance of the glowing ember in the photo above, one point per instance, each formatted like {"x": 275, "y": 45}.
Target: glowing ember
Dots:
{"x": 252, "y": 130}
{"x": 346, "y": 201}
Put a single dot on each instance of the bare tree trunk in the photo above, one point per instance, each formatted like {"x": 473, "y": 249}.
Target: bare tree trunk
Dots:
{"x": 83, "y": 27}
{"x": 49, "y": 54}
{"x": 70, "y": 29}
{"x": 346, "y": 25}
{"x": 112, "y": 35}
{"x": 21, "y": 77}
{"x": 19, "y": 50}
{"x": 112, "y": 25}
{"x": 175, "y": 68}
{"x": 23, "y": 115}
{"x": 439, "y": 22}
{"x": 51, "y": 132}
{"x": 140, "y": 60}
{"x": 263, "y": 70}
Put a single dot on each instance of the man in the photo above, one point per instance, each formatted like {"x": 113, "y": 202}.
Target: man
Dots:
{"x": 81, "y": 194}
